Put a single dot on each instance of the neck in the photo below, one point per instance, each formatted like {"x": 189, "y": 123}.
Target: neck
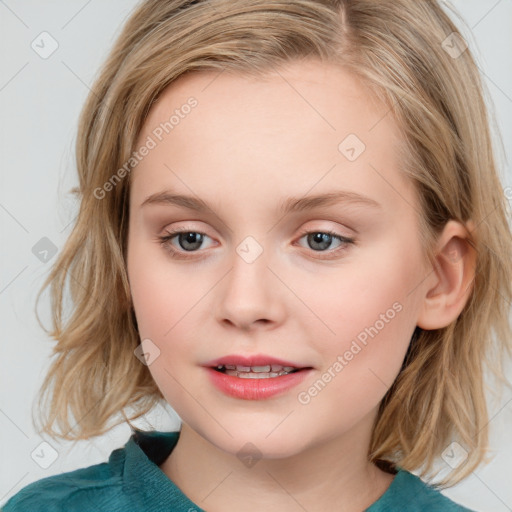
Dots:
{"x": 333, "y": 474}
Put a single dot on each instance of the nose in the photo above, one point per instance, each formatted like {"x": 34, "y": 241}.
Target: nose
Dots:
{"x": 251, "y": 294}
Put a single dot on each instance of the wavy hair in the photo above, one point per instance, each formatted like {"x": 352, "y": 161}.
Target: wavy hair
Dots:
{"x": 399, "y": 49}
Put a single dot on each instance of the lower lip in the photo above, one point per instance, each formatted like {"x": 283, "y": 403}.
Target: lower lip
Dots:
{"x": 256, "y": 389}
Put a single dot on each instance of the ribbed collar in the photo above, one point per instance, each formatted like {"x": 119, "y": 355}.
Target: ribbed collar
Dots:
{"x": 150, "y": 487}
{"x": 146, "y": 483}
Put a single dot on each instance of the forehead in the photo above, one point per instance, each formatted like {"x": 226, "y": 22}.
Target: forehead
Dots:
{"x": 307, "y": 87}
{"x": 288, "y": 127}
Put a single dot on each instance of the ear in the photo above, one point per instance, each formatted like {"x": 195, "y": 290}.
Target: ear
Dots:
{"x": 451, "y": 280}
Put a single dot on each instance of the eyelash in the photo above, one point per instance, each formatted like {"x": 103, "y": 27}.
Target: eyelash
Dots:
{"x": 174, "y": 253}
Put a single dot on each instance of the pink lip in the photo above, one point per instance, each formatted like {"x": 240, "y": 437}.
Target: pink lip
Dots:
{"x": 256, "y": 389}
{"x": 253, "y": 360}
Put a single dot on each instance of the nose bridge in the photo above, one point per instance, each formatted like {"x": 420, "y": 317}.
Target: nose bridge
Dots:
{"x": 250, "y": 288}
{"x": 249, "y": 277}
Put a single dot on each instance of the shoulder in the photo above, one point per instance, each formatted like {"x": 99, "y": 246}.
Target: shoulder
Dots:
{"x": 95, "y": 487}
{"x": 130, "y": 480}
{"x": 409, "y": 489}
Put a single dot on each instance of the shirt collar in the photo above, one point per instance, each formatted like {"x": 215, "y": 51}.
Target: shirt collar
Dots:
{"x": 145, "y": 451}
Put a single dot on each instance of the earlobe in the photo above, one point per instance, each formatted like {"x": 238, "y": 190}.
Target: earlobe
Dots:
{"x": 452, "y": 277}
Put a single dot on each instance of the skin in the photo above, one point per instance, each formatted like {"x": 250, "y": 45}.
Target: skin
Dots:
{"x": 247, "y": 145}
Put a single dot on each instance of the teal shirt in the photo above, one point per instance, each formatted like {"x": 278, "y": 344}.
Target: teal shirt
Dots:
{"x": 131, "y": 481}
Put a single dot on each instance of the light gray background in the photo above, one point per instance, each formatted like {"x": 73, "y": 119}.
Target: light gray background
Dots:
{"x": 40, "y": 100}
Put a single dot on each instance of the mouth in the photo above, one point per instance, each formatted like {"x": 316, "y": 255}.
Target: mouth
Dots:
{"x": 255, "y": 377}
{"x": 257, "y": 372}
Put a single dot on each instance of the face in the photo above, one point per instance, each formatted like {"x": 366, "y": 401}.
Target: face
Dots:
{"x": 332, "y": 286}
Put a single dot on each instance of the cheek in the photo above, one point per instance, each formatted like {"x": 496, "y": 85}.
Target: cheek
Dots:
{"x": 160, "y": 298}
{"x": 162, "y": 304}
{"x": 372, "y": 330}
{"x": 366, "y": 314}
{"x": 167, "y": 302}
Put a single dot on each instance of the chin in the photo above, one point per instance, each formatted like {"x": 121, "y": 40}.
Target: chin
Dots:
{"x": 257, "y": 443}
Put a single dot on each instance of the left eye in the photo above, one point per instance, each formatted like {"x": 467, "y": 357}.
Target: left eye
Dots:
{"x": 190, "y": 241}
{"x": 323, "y": 239}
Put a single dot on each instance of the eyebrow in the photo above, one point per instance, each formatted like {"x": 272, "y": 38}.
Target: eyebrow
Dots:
{"x": 289, "y": 205}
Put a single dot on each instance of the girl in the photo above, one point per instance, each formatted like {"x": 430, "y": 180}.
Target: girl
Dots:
{"x": 292, "y": 230}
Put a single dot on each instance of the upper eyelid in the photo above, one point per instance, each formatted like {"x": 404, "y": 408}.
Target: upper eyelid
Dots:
{"x": 303, "y": 232}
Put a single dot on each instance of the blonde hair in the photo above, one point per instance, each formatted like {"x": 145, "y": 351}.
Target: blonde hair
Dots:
{"x": 396, "y": 48}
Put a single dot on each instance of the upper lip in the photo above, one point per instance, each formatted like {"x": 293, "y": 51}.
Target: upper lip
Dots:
{"x": 251, "y": 360}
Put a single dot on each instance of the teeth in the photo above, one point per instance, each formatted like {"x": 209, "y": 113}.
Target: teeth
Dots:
{"x": 267, "y": 368}
{"x": 260, "y": 368}
{"x": 255, "y": 372}
{"x": 255, "y": 375}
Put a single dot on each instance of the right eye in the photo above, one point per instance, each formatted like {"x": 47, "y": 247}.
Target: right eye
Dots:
{"x": 188, "y": 241}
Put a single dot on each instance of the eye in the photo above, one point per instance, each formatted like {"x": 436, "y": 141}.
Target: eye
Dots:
{"x": 188, "y": 241}
{"x": 320, "y": 241}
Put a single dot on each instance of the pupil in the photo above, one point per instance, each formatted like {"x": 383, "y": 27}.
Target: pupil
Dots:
{"x": 318, "y": 238}
{"x": 190, "y": 238}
